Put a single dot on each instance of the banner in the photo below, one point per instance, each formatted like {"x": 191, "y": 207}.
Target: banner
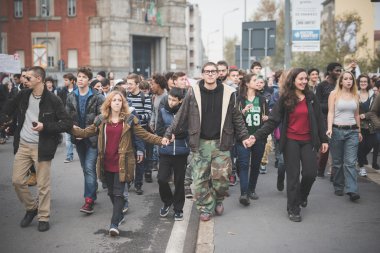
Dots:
{"x": 306, "y": 25}
{"x": 10, "y": 63}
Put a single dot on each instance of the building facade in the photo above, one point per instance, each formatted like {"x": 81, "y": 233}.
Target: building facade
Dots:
{"x": 365, "y": 9}
{"x": 140, "y": 36}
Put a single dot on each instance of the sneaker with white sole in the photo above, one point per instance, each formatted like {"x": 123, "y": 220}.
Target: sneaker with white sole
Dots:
{"x": 164, "y": 211}
{"x": 362, "y": 172}
{"x": 114, "y": 230}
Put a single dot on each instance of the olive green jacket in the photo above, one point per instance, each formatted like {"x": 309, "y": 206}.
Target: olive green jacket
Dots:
{"x": 127, "y": 160}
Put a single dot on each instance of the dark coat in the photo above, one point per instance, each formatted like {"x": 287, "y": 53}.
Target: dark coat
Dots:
{"x": 94, "y": 102}
{"x": 280, "y": 114}
{"x": 52, "y": 115}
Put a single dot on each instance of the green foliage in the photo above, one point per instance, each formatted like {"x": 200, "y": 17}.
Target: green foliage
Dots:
{"x": 229, "y": 49}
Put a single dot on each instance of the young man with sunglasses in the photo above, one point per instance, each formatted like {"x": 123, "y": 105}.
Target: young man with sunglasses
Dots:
{"x": 41, "y": 118}
{"x": 211, "y": 116}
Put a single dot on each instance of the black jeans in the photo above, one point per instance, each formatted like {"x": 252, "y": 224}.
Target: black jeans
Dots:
{"x": 297, "y": 152}
{"x": 115, "y": 192}
{"x": 369, "y": 141}
{"x": 169, "y": 164}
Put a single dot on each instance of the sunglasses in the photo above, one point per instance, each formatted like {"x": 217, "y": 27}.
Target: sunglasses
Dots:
{"x": 28, "y": 78}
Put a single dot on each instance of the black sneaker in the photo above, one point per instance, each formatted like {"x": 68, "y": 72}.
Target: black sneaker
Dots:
{"x": 253, "y": 195}
{"x": 320, "y": 174}
{"x": 338, "y": 193}
{"x": 114, "y": 230}
{"x": 164, "y": 211}
{"x": 304, "y": 203}
{"x": 280, "y": 183}
{"x": 43, "y": 226}
{"x": 244, "y": 200}
{"x": 148, "y": 177}
{"x": 296, "y": 217}
{"x": 375, "y": 166}
{"x": 353, "y": 196}
{"x": 178, "y": 215}
{"x": 138, "y": 190}
{"x": 28, "y": 218}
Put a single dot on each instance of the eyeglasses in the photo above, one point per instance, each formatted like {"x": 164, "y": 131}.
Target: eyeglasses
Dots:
{"x": 212, "y": 72}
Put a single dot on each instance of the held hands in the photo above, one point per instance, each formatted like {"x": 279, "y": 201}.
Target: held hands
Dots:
{"x": 77, "y": 127}
{"x": 265, "y": 117}
{"x": 37, "y": 126}
{"x": 360, "y": 137}
{"x": 140, "y": 158}
{"x": 324, "y": 147}
{"x": 247, "y": 143}
{"x": 165, "y": 141}
{"x": 362, "y": 116}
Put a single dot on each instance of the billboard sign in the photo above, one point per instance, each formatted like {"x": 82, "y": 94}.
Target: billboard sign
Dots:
{"x": 306, "y": 25}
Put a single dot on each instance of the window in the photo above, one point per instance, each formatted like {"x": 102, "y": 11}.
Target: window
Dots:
{"x": 73, "y": 59}
{"x": 50, "y": 61}
{"x": 71, "y": 8}
{"x": 45, "y": 8}
{"x": 18, "y": 8}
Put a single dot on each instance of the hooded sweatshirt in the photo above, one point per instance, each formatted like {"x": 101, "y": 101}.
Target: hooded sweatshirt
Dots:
{"x": 211, "y": 111}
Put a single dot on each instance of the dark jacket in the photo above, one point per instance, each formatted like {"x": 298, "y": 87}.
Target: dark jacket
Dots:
{"x": 93, "y": 104}
{"x": 180, "y": 145}
{"x": 189, "y": 118}
{"x": 63, "y": 93}
{"x": 52, "y": 115}
{"x": 280, "y": 114}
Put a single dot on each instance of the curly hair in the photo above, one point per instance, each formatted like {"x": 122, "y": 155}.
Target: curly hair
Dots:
{"x": 106, "y": 106}
{"x": 289, "y": 89}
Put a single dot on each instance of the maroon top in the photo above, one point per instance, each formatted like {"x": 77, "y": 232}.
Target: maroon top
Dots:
{"x": 111, "y": 154}
{"x": 299, "y": 124}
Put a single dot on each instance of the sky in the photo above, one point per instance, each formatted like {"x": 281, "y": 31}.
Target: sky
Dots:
{"x": 212, "y": 13}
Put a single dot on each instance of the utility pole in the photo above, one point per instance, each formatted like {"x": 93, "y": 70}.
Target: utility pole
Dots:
{"x": 288, "y": 56}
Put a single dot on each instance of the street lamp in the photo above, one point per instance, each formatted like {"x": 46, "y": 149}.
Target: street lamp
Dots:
{"x": 224, "y": 14}
{"x": 208, "y": 40}
{"x": 44, "y": 7}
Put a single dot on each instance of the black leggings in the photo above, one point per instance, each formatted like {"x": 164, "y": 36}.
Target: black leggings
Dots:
{"x": 115, "y": 192}
{"x": 297, "y": 152}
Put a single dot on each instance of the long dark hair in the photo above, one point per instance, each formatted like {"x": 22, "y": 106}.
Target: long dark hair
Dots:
{"x": 289, "y": 94}
{"x": 243, "y": 86}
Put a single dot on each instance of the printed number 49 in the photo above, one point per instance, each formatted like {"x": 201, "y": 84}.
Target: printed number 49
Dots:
{"x": 253, "y": 120}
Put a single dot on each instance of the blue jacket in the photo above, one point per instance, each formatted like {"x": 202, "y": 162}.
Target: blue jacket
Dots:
{"x": 180, "y": 145}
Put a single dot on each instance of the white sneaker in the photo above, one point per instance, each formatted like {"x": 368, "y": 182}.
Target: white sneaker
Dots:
{"x": 362, "y": 172}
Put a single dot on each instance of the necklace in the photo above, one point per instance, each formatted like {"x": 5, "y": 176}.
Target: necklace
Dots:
{"x": 36, "y": 97}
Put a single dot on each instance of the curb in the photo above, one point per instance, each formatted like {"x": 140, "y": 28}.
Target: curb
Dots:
{"x": 205, "y": 239}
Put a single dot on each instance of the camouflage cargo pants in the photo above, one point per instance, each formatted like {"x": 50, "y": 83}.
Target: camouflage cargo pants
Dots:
{"x": 211, "y": 168}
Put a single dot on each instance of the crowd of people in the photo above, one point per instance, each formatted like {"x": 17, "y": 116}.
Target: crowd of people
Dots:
{"x": 209, "y": 134}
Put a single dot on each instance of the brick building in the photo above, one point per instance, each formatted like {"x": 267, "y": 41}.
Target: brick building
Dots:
{"x": 141, "y": 36}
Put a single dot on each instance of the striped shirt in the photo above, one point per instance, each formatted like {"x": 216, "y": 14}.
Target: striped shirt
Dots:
{"x": 143, "y": 110}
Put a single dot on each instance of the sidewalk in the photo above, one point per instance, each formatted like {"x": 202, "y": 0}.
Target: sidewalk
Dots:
{"x": 330, "y": 223}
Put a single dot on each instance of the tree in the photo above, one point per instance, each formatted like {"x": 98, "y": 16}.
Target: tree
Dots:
{"x": 273, "y": 10}
{"x": 229, "y": 49}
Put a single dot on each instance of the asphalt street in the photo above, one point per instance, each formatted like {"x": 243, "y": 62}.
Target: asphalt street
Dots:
{"x": 330, "y": 223}
{"x": 73, "y": 231}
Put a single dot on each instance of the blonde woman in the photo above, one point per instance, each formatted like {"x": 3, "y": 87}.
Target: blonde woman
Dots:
{"x": 116, "y": 159}
{"x": 343, "y": 127}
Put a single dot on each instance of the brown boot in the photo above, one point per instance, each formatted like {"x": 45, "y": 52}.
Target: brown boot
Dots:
{"x": 32, "y": 181}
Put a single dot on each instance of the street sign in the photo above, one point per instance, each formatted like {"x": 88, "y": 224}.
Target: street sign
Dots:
{"x": 306, "y": 25}
{"x": 258, "y": 41}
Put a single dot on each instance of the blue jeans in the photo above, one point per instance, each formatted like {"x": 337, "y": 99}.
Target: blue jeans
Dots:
{"x": 69, "y": 147}
{"x": 87, "y": 156}
{"x": 254, "y": 155}
{"x": 344, "y": 150}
